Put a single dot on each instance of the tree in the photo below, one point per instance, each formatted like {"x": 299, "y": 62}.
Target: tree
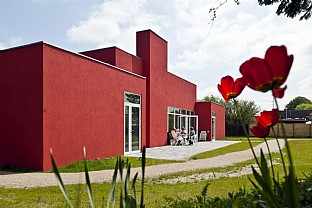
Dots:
{"x": 297, "y": 101}
{"x": 304, "y": 106}
{"x": 289, "y": 8}
{"x": 247, "y": 108}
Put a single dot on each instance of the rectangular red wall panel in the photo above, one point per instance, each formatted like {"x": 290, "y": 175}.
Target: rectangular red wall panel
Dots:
{"x": 21, "y": 143}
{"x": 84, "y": 106}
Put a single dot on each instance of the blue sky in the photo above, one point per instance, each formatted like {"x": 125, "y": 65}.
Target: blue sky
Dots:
{"x": 200, "y": 51}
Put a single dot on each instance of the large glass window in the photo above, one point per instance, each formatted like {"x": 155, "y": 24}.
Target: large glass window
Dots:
{"x": 177, "y": 121}
{"x": 179, "y": 118}
{"x": 132, "y": 98}
{"x": 170, "y": 121}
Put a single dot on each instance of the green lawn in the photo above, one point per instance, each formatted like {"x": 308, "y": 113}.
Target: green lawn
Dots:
{"x": 109, "y": 163}
{"x": 155, "y": 193}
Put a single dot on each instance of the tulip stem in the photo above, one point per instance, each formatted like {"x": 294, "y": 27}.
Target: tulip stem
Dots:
{"x": 285, "y": 138}
{"x": 245, "y": 131}
{"x": 280, "y": 150}
{"x": 293, "y": 185}
{"x": 266, "y": 142}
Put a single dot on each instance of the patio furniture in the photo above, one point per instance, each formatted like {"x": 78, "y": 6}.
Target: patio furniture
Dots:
{"x": 203, "y": 136}
{"x": 194, "y": 139}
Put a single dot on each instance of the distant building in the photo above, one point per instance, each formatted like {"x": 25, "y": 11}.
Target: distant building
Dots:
{"x": 295, "y": 116}
{"x": 107, "y": 100}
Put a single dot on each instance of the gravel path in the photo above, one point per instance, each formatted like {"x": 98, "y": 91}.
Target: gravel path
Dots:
{"x": 29, "y": 180}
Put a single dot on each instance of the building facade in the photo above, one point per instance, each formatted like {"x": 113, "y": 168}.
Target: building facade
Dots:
{"x": 107, "y": 100}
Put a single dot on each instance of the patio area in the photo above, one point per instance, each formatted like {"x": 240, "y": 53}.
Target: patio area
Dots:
{"x": 183, "y": 152}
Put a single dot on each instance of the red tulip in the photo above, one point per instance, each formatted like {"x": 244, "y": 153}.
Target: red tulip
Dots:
{"x": 230, "y": 89}
{"x": 279, "y": 93}
{"x": 260, "y": 131}
{"x": 268, "y": 118}
{"x": 268, "y": 73}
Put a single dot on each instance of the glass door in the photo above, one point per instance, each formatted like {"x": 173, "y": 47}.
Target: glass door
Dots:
{"x": 193, "y": 122}
{"x": 132, "y": 128}
{"x": 135, "y": 128}
{"x": 213, "y": 132}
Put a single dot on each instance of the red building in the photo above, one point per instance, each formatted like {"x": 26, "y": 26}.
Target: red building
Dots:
{"x": 107, "y": 100}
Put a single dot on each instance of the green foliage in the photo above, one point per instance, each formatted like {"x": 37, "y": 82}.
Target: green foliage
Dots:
{"x": 220, "y": 151}
{"x": 291, "y": 8}
{"x": 154, "y": 192}
{"x": 127, "y": 198}
{"x": 297, "y": 101}
{"x": 304, "y": 106}
{"x": 109, "y": 163}
{"x": 247, "y": 108}
{"x": 250, "y": 198}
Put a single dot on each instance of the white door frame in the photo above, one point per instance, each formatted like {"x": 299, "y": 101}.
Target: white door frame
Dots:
{"x": 130, "y": 130}
{"x": 213, "y": 128}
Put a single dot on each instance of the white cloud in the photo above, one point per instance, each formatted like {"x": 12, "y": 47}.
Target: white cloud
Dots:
{"x": 200, "y": 51}
{"x": 2, "y": 46}
{"x": 13, "y": 41}
{"x": 238, "y": 36}
{"x": 114, "y": 22}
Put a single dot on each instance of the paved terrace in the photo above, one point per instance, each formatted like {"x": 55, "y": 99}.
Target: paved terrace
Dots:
{"x": 28, "y": 180}
{"x": 183, "y": 152}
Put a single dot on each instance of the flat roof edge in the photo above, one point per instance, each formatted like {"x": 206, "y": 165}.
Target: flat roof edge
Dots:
{"x": 75, "y": 53}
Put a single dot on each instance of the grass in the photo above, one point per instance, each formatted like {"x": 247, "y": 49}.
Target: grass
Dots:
{"x": 109, "y": 163}
{"x": 154, "y": 193}
{"x": 243, "y": 145}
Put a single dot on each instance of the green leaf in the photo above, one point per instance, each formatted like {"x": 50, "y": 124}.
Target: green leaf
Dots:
{"x": 127, "y": 180}
{"x": 133, "y": 185}
{"x": 143, "y": 176}
{"x": 59, "y": 180}
{"x": 292, "y": 195}
{"x": 266, "y": 191}
{"x": 205, "y": 190}
{"x": 265, "y": 171}
{"x": 88, "y": 183}
{"x": 111, "y": 195}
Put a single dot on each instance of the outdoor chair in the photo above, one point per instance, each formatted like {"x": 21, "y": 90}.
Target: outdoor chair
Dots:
{"x": 194, "y": 139}
{"x": 203, "y": 136}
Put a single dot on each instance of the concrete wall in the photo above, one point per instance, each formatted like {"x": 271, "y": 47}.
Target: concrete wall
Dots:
{"x": 21, "y": 118}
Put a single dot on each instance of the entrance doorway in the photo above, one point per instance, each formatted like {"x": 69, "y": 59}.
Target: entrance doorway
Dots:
{"x": 132, "y": 127}
{"x": 213, "y": 129}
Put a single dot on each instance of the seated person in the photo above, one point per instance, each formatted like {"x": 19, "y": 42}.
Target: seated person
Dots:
{"x": 174, "y": 139}
{"x": 179, "y": 137}
{"x": 184, "y": 134}
{"x": 192, "y": 135}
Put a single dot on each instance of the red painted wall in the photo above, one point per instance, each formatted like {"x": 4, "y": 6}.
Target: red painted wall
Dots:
{"x": 84, "y": 106}
{"x": 204, "y": 112}
{"x": 21, "y": 107}
{"x": 61, "y": 100}
{"x": 163, "y": 89}
{"x": 118, "y": 58}
{"x": 220, "y": 120}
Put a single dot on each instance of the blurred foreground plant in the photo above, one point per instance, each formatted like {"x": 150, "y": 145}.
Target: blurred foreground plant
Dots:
{"x": 127, "y": 197}
{"x": 268, "y": 74}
